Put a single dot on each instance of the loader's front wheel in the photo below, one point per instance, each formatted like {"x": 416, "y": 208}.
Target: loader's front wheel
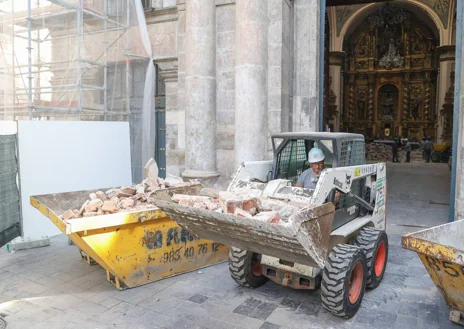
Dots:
{"x": 344, "y": 280}
{"x": 375, "y": 245}
{"x": 245, "y": 268}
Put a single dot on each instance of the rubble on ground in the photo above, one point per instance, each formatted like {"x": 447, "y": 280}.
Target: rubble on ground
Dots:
{"x": 382, "y": 152}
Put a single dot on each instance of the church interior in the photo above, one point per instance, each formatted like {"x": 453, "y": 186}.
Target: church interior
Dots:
{"x": 389, "y": 69}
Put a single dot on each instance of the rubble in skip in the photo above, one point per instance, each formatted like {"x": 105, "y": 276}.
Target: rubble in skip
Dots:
{"x": 126, "y": 198}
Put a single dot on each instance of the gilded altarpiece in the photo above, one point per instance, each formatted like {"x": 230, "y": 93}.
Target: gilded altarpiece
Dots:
{"x": 390, "y": 73}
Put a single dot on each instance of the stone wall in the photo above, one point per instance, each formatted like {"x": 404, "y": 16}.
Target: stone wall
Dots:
{"x": 225, "y": 79}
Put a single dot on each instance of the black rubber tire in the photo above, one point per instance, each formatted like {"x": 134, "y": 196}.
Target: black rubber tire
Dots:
{"x": 435, "y": 157}
{"x": 336, "y": 278}
{"x": 240, "y": 268}
{"x": 369, "y": 240}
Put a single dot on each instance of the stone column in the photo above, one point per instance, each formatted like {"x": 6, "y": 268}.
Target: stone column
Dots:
{"x": 306, "y": 65}
{"x": 251, "y": 65}
{"x": 447, "y": 57}
{"x": 336, "y": 59}
{"x": 200, "y": 89}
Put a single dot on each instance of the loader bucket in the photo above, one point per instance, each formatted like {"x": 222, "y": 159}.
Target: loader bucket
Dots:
{"x": 304, "y": 238}
{"x": 441, "y": 250}
{"x": 135, "y": 247}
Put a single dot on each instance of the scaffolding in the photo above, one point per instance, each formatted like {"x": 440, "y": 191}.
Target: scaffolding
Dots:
{"x": 72, "y": 60}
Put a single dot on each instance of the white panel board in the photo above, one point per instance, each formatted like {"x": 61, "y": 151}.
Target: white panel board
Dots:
{"x": 8, "y": 127}
{"x": 66, "y": 156}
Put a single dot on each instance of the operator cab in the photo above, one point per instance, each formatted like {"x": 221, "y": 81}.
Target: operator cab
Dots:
{"x": 340, "y": 150}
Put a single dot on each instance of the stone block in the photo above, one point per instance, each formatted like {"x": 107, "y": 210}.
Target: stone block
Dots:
{"x": 225, "y": 117}
{"x": 225, "y": 138}
{"x": 225, "y": 81}
{"x": 225, "y": 40}
{"x": 225, "y": 59}
{"x": 225, "y": 18}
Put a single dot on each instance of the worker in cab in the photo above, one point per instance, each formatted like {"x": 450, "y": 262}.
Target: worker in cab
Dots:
{"x": 309, "y": 177}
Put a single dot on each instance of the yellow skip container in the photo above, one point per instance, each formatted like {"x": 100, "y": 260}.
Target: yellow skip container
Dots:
{"x": 441, "y": 250}
{"x": 136, "y": 247}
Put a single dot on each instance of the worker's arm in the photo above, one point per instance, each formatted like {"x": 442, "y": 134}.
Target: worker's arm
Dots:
{"x": 298, "y": 184}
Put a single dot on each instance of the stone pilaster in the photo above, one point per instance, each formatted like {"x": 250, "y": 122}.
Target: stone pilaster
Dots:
{"x": 200, "y": 89}
{"x": 306, "y": 65}
{"x": 447, "y": 58}
{"x": 251, "y": 93}
{"x": 336, "y": 59}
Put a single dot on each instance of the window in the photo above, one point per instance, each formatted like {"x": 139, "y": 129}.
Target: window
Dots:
{"x": 292, "y": 159}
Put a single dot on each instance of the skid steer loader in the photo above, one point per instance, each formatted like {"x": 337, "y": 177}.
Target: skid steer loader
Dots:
{"x": 336, "y": 239}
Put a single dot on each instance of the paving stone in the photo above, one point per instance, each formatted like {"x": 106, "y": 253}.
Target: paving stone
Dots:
{"x": 251, "y": 323}
{"x": 268, "y": 325}
{"x": 248, "y": 306}
{"x": 406, "y": 320}
{"x": 197, "y": 298}
{"x": 309, "y": 308}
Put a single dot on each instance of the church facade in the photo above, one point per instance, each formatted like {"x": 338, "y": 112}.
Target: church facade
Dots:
{"x": 233, "y": 72}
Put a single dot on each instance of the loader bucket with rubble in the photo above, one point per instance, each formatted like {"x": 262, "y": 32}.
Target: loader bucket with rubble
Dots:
{"x": 303, "y": 237}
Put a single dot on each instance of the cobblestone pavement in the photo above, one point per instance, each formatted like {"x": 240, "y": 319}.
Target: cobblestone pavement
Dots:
{"x": 52, "y": 288}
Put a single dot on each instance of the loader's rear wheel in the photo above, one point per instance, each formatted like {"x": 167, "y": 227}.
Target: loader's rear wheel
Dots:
{"x": 435, "y": 157}
{"x": 374, "y": 243}
{"x": 245, "y": 268}
{"x": 344, "y": 280}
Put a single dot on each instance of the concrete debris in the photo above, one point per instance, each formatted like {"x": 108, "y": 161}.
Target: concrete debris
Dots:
{"x": 151, "y": 170}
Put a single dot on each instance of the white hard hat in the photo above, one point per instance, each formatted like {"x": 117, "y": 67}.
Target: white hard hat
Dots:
{"x": 315, "y": 155}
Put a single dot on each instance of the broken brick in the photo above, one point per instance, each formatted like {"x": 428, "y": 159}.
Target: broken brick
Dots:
{"x": 101, "y": 195}
{"x": 69, "y": 214}
{"x": 126, "y": 203}
{"x": 242, "y": 213}
{"x": 193, "y": 198}
{"x": 93, "y": 196}
{"x": 268, "y": 216}
{"x": 110, "y": 207}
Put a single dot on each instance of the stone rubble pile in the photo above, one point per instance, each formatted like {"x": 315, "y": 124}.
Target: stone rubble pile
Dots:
{"x": 240, "y": 204}
{"x": 382, "y": 153}
{"x": 126, "y": 198}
